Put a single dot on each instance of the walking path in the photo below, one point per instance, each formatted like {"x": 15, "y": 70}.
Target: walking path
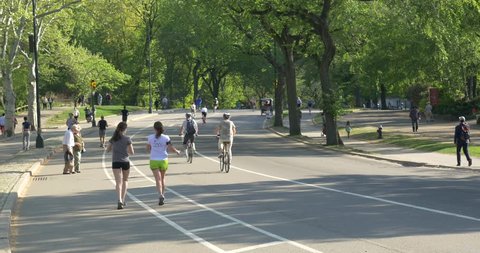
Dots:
{"x": 393, "y": 122}
{"x": 17, "y": 165}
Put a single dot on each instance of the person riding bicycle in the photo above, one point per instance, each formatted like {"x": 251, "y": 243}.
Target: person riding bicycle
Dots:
{"x": 193, "y": 108}
{"x": 225, "y": 132}
{"x": 189, "y": 129}
{"x": 215, "y": 104}
{"x": 204, "y": 114}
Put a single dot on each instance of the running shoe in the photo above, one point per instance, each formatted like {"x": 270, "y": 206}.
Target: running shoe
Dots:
{"x": 119, "y": 205}
{"x": 161, "y": 201}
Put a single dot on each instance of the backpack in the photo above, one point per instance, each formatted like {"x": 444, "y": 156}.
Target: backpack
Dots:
{"x": 190, "y": 127}
{"x": 465, "y": 132}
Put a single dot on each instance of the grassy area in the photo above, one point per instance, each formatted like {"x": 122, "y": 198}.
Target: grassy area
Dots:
{"x": 409, "y": 141}
{"x": 105, "y": 110}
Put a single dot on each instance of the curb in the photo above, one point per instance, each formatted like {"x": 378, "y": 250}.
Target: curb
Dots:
{"x": 375, "y": 157}
{"x": 16, "y": 192}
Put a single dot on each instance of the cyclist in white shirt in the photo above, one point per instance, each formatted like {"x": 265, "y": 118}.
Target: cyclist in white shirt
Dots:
{"x": 225, "y": 131}
{"x": 204, "y": 114}
{"x": 193, "y": 108}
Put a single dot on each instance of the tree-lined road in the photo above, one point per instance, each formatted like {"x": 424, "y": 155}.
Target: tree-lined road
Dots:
{"x": 280, "y": 196}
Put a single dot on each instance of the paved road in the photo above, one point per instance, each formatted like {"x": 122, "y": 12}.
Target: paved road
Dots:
{"x": 280, "y": 196}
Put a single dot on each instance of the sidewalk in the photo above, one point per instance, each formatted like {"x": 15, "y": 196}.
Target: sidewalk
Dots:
{"x": 393, "y": 122}
{"x": 18, "y": 166}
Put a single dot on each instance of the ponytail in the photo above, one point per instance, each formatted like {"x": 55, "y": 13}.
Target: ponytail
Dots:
{"x": 158, "y": 126}
{"x": 117, "y": 135}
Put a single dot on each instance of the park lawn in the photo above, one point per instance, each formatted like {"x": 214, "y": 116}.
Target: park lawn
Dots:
{"x": 105, "y": 110}
{"x": 409, "y": 141}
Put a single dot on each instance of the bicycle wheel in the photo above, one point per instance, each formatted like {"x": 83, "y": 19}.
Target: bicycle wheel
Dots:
{"x": 190, "y": 154}
{"x": 221, "y": 163}
{"x": 227, "y": 162}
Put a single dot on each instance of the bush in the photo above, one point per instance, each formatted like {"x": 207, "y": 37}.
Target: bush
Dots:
{"x": 450, "y": 107}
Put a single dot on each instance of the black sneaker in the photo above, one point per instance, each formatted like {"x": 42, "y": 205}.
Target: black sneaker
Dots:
{"x": 77, "y": 171}
{"x": 161, "y": 201}
{"x": 470, "y": 162}
{"x": 119, "y": 205}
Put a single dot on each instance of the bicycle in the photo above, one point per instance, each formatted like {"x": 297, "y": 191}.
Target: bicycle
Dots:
{"x": 189, "y": 151}
{"x": 225, "y": 158}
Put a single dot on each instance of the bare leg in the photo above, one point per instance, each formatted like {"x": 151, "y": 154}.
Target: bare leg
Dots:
{"x": 156, "y": 174}
{"x": 117, "y": 173}
{"x": 162, "y": 178}
{"x": 125, "y": 173}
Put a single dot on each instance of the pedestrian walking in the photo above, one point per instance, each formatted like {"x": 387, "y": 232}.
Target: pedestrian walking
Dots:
{"x": 50, "y": 102}
{"x": 299, "y": 102}
{"x": 462, "y": 139}
{"x": 348, "y": 128}
{"x": 78, "y": 148}
{"x": 99, "y": 99}
{"x": 428, "y": 113}
{"x": 157, "y": 104}
{"x": 414, "y": 116}
{"x": 164, "y": 103}
{"x": 198, "y": 103}
{"x": 124, "y": 114}
{"x": 158, "y": 145}
{"x": 215, "y": 104}
{"x": 2, "y": 124}
{"x": 45, "y": 103}
{"x": 68, "y": 143}
{"x": 310, "y": 106}
{"x": 121, "y": 147}
{"x": 102, "y": 129}
{"x": 26, "y": 133}
{"x": 76, "y": 113}
{"x": 70, "y": 121}
{"x": 108, "y": 97}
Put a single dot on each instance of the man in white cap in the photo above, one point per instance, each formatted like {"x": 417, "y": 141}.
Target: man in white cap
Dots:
{"x": 68, "y": 143}
{"x": 462, "y": 139}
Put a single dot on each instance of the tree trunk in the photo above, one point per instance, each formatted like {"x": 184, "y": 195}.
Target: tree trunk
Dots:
{"x": 470, "y": 87}
{"x": 279, "y": 90}
{"x": 290, "y": 78}
{"x": 9, "y": 101}
{"x": 328, "y": 92}
{"x": 383, "y": 96}
{"x": 32, "y": 95}
{"x": 358, "y": 96}
{"x": 196, "y": 79}
{"x": 474, "y": 86}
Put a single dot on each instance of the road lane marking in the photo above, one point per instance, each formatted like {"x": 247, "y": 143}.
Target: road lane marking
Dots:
{"x": 161, "y": 217}
{"x": 146, "y": 194}
{"x": 185, "y": 213}
{"x": 213, "y": 227}
{"x": 274, "y": 236}
{"x": 461, "y": 216}
{"x": 259, "y": 246}
{"x": 188, "y": 232}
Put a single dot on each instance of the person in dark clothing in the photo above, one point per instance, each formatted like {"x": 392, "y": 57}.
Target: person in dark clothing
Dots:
{"x": 414, "y": 116}
{"x": 462, "y": 139}
{"x": 124, "y": 114}
{"x": 26, "y": 133}
{"x": 102, "y": 129}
